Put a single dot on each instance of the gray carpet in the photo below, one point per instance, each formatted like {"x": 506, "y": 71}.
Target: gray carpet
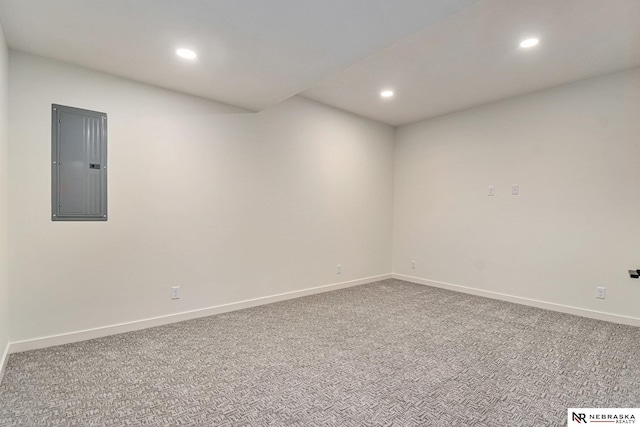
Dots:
{"x": 389, "y": 353}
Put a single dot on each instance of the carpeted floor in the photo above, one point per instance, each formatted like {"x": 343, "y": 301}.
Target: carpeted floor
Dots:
{"x": 389, "y": 353}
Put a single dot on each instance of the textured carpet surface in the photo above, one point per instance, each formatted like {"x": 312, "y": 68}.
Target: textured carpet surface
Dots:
{"x": 388, "y": 353}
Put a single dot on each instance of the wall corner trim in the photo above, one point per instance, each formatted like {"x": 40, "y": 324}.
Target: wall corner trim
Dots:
{"x": 71, "y": 337}
{"x": 592, "y": 314}
{"x": 3, "y": 361}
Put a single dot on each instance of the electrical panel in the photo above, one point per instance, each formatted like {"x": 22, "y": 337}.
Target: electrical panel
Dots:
{"x": 79, "y": 164}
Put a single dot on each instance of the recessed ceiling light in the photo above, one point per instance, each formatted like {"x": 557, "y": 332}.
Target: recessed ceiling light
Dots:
{"x": 529, "y": 43}
{"x": 386, "y": 93}
{"x": 186, "y": 53}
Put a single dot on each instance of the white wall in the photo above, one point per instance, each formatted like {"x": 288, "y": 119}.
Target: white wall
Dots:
{"x": 574, "y": 151}
{"x": 4, "y": 145}
{"x": 228, "y": 205}
{"x": 232, "y": 205}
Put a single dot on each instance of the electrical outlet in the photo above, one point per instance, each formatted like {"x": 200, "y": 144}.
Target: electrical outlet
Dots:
{"x": 339, "y": 269}
{"x": 413, "y": 264}
{"x": 601, "y": 292}
{"x": 492, "y": 190}
{"x": 175, "y": 292}
{"x": 515, "y": 190}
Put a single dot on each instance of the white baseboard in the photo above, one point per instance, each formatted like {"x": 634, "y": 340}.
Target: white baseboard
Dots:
{"x": 3, "y": 361}
{"x": 66, "y": 338}
{"x": 599, "y": 315}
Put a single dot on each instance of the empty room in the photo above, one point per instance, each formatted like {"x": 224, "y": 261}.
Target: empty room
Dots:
{"x": 319, "y": 212}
